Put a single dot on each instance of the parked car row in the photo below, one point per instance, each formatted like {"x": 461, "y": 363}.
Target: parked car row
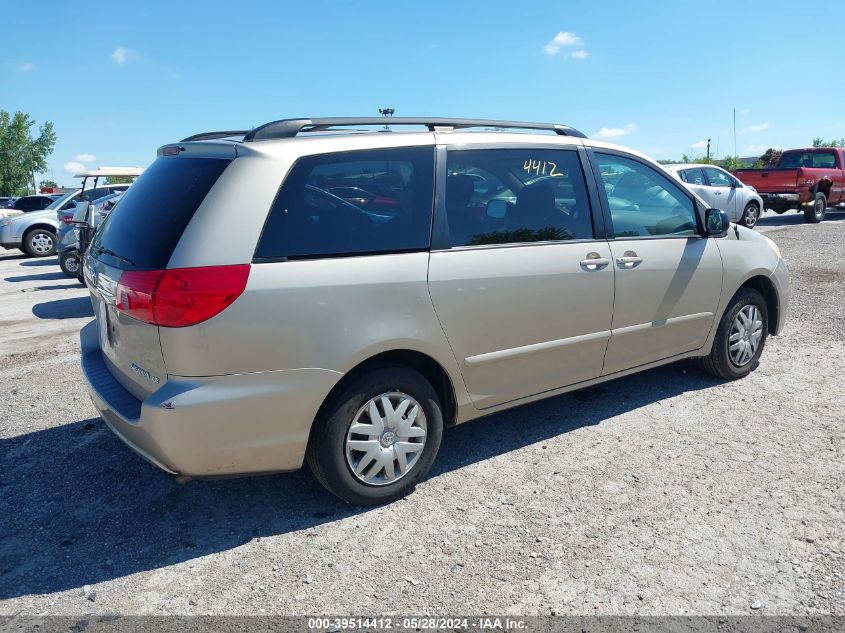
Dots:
{"x": 35, "y": 231}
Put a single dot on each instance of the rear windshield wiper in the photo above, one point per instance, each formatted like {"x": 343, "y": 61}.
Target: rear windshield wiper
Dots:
{"x": 106, "y": 251}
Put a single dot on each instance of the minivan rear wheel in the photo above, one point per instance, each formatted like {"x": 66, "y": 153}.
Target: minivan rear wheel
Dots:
{"x": 740, "y": 338}
{"x": 378, "y": 438}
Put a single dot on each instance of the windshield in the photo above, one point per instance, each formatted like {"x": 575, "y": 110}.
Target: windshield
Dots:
{"x": 60, "y": 201}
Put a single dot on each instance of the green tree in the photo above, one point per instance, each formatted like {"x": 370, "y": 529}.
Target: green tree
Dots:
{"x": 770, "y": 157}
{"x": 820, "y": 142}
{"x": 732, "y": 162}
{"x": 21, "y": 155}
{"x": 121, "y": 180}
{"x": 48, "y": 183}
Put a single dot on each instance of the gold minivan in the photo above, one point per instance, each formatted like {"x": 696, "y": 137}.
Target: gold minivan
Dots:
{"x": 338, "y": 291}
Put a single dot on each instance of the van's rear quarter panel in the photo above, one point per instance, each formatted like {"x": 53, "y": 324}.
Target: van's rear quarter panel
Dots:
{"x": 325, "y": 313}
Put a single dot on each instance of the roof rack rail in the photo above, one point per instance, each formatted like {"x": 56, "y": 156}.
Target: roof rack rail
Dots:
{"x": 208, "y": 136}
{"x": 288, "y": 128}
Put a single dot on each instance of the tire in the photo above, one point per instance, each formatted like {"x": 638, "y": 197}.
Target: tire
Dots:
{"x": 40, "y": 243}
{"x": 814, "y": 213}
{"x": 331, "y": 459}
{"x": 722, "y": 362}
{"x": 750, "y": 215}
{"x": 69, "y": 263}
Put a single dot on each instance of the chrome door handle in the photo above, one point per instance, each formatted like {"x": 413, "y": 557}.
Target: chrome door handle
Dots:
{"x": 629, "y": 260}
{"x": 594, "y": 261}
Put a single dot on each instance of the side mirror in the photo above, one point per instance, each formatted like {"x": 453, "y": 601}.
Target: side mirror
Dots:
{"x": 716, "y": 223}
{"x": 497, "y": 209}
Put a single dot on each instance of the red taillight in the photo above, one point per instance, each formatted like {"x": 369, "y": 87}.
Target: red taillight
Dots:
{"x": 67, "y": 219}
{"x": 181, "y": 296}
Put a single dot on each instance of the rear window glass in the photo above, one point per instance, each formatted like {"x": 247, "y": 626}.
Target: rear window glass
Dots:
{"x": 145, "y": 225}
{"x": 807, "y": 159}
{"x": 352, "y": 203}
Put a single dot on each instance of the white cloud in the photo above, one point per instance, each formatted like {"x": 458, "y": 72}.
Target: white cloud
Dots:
{"x": 27, "y": 67}
{"x": 615, "y": 132}
{"x": 84, "y": 158}
{"x": 120, "y": 55}
{"x": 756, "y": 128}
{"x": 699, "y": 145}
{"x": 74, "y": 168}
{"x": 756, "y": 148}
{"x": 580, "y": 54}
{"x": 564, "y": 38}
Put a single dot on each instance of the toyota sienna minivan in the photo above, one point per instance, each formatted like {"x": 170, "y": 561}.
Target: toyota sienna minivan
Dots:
{"x": 338, "y": 291}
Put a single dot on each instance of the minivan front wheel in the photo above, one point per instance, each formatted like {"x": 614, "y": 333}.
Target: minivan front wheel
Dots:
{"x": 378, "y": 438}
{"x": 740, "y": 338}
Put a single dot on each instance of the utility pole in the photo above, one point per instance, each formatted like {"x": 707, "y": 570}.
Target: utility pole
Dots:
{"x": 32, "y": 171}
{"x": 734, "y": 131}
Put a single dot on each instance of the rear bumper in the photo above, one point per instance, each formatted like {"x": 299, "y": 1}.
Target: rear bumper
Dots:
{"x": 785, "y": 200}
{"x": 211, "y": 426}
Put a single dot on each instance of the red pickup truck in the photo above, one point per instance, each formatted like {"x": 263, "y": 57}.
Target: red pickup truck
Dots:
{"x": 811, "y": 179}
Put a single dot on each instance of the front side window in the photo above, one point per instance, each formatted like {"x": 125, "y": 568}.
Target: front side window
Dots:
{"x": 642, "y": 201}
{"x": 693, "y": 176}
{"x": 507, "y": 196}
{"x": 352, "y": 203}
{"x": 718, "y": 178}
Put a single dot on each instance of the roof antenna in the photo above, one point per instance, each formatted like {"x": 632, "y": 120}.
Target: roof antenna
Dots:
{"x": 386, "y": 113}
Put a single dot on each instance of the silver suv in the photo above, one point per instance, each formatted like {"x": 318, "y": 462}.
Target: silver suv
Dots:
{"x": 306, "y": 292}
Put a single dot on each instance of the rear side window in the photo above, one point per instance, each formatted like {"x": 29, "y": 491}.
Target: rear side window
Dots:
{"x": 512, "y": 196}
{"x": 352, "y": 203}
{"x": 145, "y": 225}
{"x": 693, "y": 176}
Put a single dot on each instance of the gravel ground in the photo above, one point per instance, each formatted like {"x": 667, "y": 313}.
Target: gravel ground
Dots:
{"x": 664, "y": 493}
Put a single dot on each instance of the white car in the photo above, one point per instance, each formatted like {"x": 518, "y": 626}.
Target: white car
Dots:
{"x": 721, "y": 190}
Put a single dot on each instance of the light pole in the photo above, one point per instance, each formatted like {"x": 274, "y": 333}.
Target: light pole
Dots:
{"x": 708, "y": 150}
